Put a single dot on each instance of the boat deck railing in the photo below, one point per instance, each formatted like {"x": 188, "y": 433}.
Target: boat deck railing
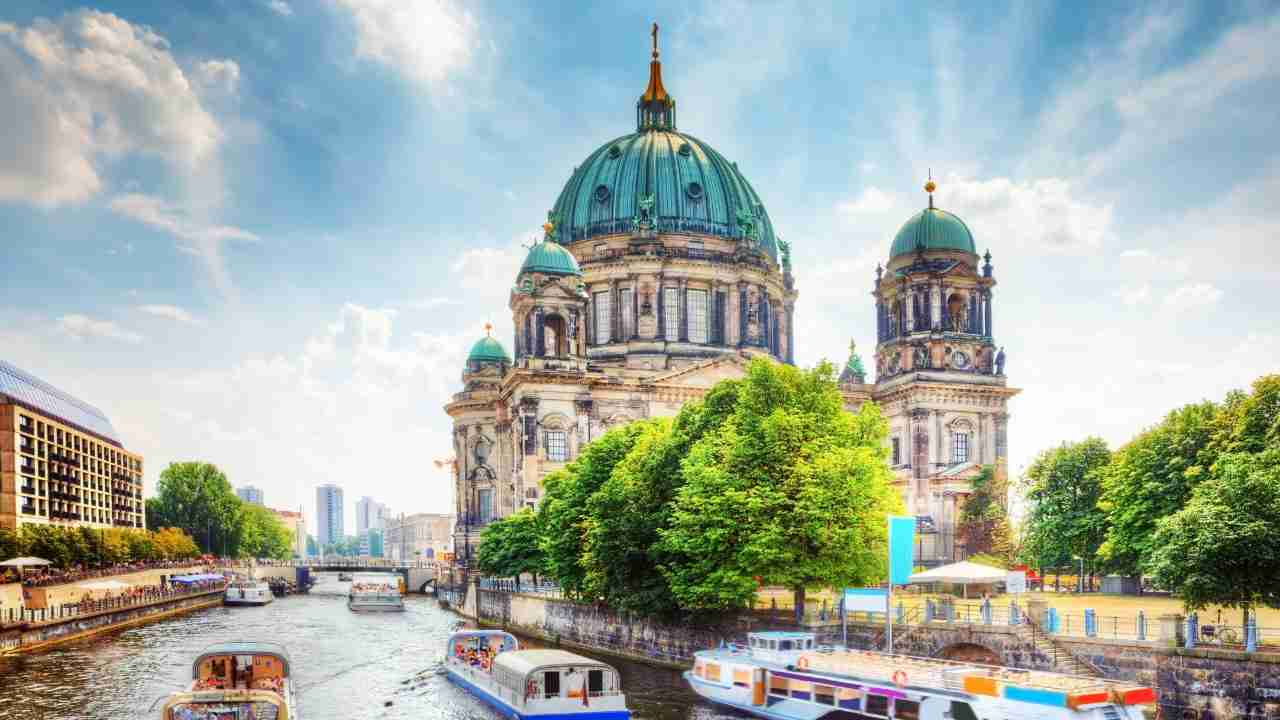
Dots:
{"x": 945, "y": 673}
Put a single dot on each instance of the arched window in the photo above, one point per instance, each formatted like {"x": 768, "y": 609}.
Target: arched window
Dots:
{"x": 553, "y": 333}
{"x": 895, "y": 319}
{"x": 957, "y": 313}
{"x": 959, "y": 447}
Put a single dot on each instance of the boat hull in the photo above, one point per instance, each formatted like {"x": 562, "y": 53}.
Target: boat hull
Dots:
{"x": 511, "y": 712}
{"x": 246, "y": 601}
{"x": 728, "y": 697}
{"x": 365, "y": 607}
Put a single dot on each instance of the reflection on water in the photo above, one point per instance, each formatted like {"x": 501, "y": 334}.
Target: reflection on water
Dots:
{"x": 346, "y": 666}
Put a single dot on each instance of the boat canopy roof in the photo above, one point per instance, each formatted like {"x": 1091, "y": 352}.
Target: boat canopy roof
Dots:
{"x": 782, "y": 635}
{"x": 195, "y": 578}
{"x": 274, "y": 650}
{"x": 508, "y": 640}
{"x": 370, "y": 577}
{"x": 524, "y": 662}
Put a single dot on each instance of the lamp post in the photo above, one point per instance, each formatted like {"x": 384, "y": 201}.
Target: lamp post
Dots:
{"x": 1080, "y": 577}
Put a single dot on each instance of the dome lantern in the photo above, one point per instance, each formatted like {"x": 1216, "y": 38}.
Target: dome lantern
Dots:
{"x": 487, "y": 351}
{"x": 655, "y": 110}
{"x": 933, "y": 229}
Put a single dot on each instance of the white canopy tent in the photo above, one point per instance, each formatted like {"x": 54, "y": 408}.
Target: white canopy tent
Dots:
{"x": 22, "y": 562}
{"x": 961, "y": 573}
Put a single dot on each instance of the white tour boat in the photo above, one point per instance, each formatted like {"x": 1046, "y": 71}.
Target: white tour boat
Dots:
{"x": 376, "y": 592}
{"x": 785, "y": 676}
{"x": 533, "y": 684}
{"x": 247, "y": 592}
{"x": 236, "y": 681}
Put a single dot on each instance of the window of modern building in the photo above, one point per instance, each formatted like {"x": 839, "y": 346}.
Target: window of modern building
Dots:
{"x": 671, "y": 313}
{"x": 485, "y": 501}
{"x": 698, "y": 316}
{"x": 557, "y": 449}
{"x": 959, "y": 447}
{"x": 628, "y": 320}
{"x": 897, "y": 451}
{"x": 604, "y": 310}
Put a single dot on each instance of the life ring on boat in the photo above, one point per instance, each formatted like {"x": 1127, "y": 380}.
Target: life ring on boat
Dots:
{"x": 803, "y": 663}
{"x": 531, "y": 691}
{"x": 900, "y": 678}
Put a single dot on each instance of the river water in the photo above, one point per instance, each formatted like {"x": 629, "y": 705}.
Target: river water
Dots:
{"x": 346, "y": 666}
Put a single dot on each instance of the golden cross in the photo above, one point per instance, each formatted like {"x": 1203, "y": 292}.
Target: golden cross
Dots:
{"x": 654, "y": 33}
{"x": 488, "y": 327}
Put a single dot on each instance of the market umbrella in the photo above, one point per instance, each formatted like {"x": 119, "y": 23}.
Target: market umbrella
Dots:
{"x": 961, "y": 573}
{"x": 22, "y": 562}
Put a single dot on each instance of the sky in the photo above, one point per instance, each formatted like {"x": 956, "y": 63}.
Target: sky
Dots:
{"x": 264, "y": 233}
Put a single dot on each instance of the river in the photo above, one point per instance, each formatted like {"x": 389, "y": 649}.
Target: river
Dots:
{"x": 346, "y": 666}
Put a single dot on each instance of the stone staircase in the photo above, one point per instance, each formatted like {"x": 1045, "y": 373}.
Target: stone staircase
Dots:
{"x": 1063, "y": 660}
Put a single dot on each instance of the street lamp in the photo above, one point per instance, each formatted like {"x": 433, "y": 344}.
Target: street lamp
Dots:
{"x": 1080, "y": 577}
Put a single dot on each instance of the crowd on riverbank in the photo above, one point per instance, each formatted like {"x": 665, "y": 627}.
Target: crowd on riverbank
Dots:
{"x": 47, "y": 576}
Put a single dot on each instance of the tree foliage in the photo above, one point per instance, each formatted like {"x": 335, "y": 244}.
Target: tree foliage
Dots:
{"x": 790, "y": 489}
{"x": 1064, "y": 520}
{"x": 984, "y": 519}
{"x": 1223, "y": 547}
{"x": 509, "y": 547}
{"x": 66, "y": 547}
{"x": 196, "y": 497}
{"x": 261, "y": 534}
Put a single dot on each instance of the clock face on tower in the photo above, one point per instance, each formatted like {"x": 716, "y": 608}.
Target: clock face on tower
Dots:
{"x": 959, "y": 360}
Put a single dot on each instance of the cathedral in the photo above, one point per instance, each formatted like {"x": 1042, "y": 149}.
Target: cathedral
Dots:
{"x": 659, "y": 273}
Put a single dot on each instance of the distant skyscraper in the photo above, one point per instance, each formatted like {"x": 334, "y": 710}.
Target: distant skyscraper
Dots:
{"x": 250, "y": 494}
{"x": 329, "y": 529}
{"x": 370, "y": 515}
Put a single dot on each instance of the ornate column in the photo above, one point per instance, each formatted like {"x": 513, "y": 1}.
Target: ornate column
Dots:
{"x": 635, "y": 306}
{"x": 945, "y": 315}
{"x": 939, "y": 457}
{"x": 539, "y": 334}
{"x": 935, "y": 297}
{"x": 615, "y": 311}
{"x": 791, "y": 334}
{"x": 684, "y": 310}
{"x": 766, "y": 317}
{"x": 660, "y": 301}
{"x": 742, "y": 313}
{"x": 986, "y": 314}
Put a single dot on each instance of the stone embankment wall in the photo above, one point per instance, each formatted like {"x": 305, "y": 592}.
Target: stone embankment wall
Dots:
{"x": 11, "y": 594}
{"x": 26, "y": 637}
{"x": 1197, "y": 684}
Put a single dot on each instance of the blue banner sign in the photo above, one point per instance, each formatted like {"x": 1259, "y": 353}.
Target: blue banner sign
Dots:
{"x": 902, "y": 541}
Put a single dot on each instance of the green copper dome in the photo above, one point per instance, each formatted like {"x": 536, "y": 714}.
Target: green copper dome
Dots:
{"x": 933, "y": 229}
{"x": 676, "y": 181}
{"x": 487, "y": 349}
{"x": 550, "y": 258}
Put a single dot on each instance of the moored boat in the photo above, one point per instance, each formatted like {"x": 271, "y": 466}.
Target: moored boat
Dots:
{"x": 236, "y": 681}
{"x": 535, "y": 684}
{"x": 376, "y": 592}
{"x": 247, "y": 592}
{"x": 786, "y": 676}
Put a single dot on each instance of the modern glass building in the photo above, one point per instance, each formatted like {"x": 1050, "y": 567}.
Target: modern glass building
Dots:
{"x": 329, "y": 510}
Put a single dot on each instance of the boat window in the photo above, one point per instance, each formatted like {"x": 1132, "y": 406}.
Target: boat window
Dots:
{"x": 551, "y": 683}
{"x": 742, "y": 678}
{"x": 878, "y": 705}
{"x": 786, "y": 645}
{"x": 962, "y": 711}
{"x": 777, "y": 685}
{"x": 848, "y": 698}
{"x": 824, "y": 694}
{"x": 699, "y": 669}
{"x": 906, "y": 709}
{"x": 713, "y": 672}
{"x": 595, "y": 681}
{"x": 773, "y": 644}
{"x": 801, "y": 690}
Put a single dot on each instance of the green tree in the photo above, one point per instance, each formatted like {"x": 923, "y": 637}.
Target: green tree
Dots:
{"x": 1250, "y": 423}
{"x": 1223, "y": 548}
{"x": 197, "y": 498}
{"x": 1152, "y": 477}
{"x": 621, "y": 551}
{"x": 789, "y": 489}
{"x": 1064, "y": 520}
{"x": 261, "y": 534}
{"x": 12, "y": 544}
{"x": 563, "y": 509}
{"x": 510, "y": 546}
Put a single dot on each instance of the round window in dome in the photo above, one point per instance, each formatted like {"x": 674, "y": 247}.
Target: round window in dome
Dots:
{"x": 601, "y": 194}
{"x": 694, "y": 191}
{"x": 615, "y": 152}
{"x": 686, "y": 149}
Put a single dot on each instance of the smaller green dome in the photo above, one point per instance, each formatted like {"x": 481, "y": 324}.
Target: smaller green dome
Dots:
{"x": 487, "y": 349}
{"x": 933, "y": 229}
{"x": 551, "y": 258}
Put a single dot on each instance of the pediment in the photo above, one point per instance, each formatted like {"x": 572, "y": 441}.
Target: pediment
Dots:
{"x": 705, "y": 374}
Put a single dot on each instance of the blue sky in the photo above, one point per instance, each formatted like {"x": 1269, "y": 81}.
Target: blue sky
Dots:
{"x": 264, "y": 233}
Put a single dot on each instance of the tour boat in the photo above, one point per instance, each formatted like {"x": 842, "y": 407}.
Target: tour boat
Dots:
{"x": 236, "y": 681}
{"x": 785, "y": 676}
{"x": 247, "y": 592}
{"x": 376, "y": 592}
{"x": 533, "y": 684}
{"x": 344, "y": 577}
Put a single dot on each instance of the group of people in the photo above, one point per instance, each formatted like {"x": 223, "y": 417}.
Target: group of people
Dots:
{"x": 373, "y": 587}
{"x": 47, "y": 576}
{"x": 478, "y": 657}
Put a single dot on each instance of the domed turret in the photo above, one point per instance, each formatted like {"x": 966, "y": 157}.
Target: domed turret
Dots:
{"x": 932, "y": 229}
{"x": 550, "y": 258}
{"x": 487, "y": 352}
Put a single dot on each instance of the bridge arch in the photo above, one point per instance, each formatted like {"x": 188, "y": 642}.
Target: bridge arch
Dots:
{"x": 970, "y": 652}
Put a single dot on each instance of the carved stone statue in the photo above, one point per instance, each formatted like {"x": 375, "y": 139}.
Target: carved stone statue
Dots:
{"x": 1000, "y": 361}
{"x": 748, "y": 226}
{"x": 921, "y": 359}
{"x": 784, "y": 248}
{"x": 572, "y": 332}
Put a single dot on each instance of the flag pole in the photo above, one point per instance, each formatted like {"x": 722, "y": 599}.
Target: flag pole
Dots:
{"x": 888, "y": 598}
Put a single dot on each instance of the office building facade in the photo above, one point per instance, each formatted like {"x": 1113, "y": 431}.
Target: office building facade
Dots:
{"x": 329, "y": 511}
{"x": 250, "y": 494}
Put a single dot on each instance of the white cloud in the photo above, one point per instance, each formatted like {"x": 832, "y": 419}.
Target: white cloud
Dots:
{"x": 280, "y": 7}
{"x": 1136, "y": 253}
{"x": 427, "y": 40}
{"x": 82, "y": 327}
{"x": 170, "y": 312}
{"x": 1140, "y": 295}
{"x": 87, "y": 87}
{"x": 219, "y": 75}
{"x": 1192, "y": 296}
{"x": 1044, "y": 214}
{"x": 202, "y": 239}
{"x": 872, "y": 201}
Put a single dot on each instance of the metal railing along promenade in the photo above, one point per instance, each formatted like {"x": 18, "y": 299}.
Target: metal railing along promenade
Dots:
{"x": 58, "y": 613}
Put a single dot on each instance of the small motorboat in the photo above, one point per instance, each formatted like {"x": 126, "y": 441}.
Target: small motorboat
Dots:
{"x": 247, "y": 592}
{"x": 376, "y": 592}
{"x": 236, "y": 681}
